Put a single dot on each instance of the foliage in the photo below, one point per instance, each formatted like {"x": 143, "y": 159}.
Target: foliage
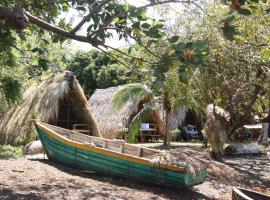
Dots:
{"x": 7, "y": 151}
{"x": 24, "y": 139}
{"x": 135, "y": 125}
{"x": 95, "y": 69}
{"x": 174, "y": 134}
{"x": 131, "y": 92}
{"x": 235, "y": 74}
{"x": 11, "y": 88}
{"x": 135, "y": 91}
{"x": 122, "y": 133}
{"x": 111, "y": 75}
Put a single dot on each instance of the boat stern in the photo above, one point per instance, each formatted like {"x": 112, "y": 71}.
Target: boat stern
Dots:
{"x": 195, "y": 178}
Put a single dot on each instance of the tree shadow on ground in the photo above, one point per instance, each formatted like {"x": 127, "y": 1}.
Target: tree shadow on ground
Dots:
{"x": 6, "y": 194}
{"x": 255, "y": 170}
{"x": 118, "y": 184}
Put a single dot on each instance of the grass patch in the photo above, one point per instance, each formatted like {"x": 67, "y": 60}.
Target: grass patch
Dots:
{"x": 7, "y": 151}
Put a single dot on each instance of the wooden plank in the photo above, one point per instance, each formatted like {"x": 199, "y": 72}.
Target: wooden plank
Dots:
{"x": 139, "y": 152}
{"x": 105, "y": 144}
{"x": 121, "y": 148}
{"x": 75, "y": 126}
{"x": 82, "y": 130}
{"x": 151, "y": 135}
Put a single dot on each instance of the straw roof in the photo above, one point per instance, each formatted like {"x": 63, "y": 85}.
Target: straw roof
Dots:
{"x": 41, "y": 101}
{"x": 177, "y": 118}
{"x": 111, "y": 120}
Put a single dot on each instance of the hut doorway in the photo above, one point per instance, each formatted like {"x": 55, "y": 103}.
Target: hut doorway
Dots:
{"x": 193, "y": 117}
{"x": 71, "y": 115}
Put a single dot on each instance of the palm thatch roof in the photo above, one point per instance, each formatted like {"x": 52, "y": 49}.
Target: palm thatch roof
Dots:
{"x": 58, "y": 100}
{"x": 177, "y": 118}
{"x": 111, "y": 120}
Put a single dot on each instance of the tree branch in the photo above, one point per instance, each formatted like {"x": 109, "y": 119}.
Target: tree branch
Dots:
{"x": 127, "y": 55}
{"x": 204, "y": 11}
{"x": 112, "y": 56}
{"x": 132, "y": 37}
{"x": 87, "y": 18}
{"x": 106, "y": 24}
{"x": 60, "y": 31}
{"x": 16, "y": 18}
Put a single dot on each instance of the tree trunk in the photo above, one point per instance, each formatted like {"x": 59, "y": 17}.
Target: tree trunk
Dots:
{"x": 215, "y": 130}
{"x": 167, "y": 110}
{"x": 167, "y": 136}
{"x": 265, "y": 131}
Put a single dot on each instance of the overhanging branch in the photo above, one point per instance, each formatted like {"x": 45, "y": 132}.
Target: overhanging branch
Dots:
{"x": 89, "y": 16}
{"x": 60, "y": 31}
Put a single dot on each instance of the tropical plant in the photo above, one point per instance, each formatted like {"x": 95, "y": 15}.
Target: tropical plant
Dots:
{"x": 134, "y": 91}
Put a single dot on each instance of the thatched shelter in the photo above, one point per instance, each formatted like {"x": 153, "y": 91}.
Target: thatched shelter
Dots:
{"x": 177, "y": 118}
{"x": 58, "y": 100}
{"x": 111, "y": 120}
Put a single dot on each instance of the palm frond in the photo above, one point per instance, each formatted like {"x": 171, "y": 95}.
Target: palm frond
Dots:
{"x": 129, "y": 93}
{"x": 135, "y": 125}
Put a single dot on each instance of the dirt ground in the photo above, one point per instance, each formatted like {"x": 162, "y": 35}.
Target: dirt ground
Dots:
{"x": 43, "y": 179}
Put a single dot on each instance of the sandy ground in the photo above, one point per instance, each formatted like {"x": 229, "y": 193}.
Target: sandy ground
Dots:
{"x": 40, "y": 178}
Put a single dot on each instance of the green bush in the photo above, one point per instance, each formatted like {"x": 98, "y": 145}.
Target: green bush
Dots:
{"x": 7, "y": 151}
{"x": 174, "y": 134}
{"x": 24, "y": 139}
{"x": 122, "y": 133}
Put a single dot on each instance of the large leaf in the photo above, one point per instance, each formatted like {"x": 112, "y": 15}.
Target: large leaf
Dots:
{"x": 130, "y": 92}
{"x": 134, "y": 127}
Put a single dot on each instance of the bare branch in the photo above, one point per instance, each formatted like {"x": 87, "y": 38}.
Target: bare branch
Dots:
{"x": 132, "y": 37}
{"x": 129, "y": 56}
{"x": 204, "y": 11}
{"x": 114, "y": 57}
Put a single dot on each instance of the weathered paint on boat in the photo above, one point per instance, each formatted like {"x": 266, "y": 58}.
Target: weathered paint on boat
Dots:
{"x": 83, "y": 156}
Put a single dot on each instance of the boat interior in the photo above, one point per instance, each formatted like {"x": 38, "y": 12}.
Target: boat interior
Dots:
{"x": 111, "y": 145}
{"x": 245, "y": 194}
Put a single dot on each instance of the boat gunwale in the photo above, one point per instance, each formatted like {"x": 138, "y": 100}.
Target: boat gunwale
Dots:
{"x": 105, "y": 139}
{"x": 241, "y": 192}
{"x": 104, "y": 151}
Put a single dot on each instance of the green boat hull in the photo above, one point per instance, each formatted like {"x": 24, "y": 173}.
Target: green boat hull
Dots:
{"x": 89, "y": 160}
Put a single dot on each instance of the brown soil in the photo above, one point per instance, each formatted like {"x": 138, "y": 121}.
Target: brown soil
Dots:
{"x": 43, "y": 179}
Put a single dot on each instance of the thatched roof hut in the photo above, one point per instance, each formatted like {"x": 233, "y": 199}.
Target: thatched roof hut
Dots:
{"x": 177, "y": 118}
{"x": 111, "y": 120}
{"x": 58, "y": 100}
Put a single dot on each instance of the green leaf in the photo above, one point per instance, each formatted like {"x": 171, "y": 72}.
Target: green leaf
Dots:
{"x": 173, "y": 39}
{"x": 130, "y": 92}
{"x": 129, "y": 50}
{"x": 135, "y": 124}
{"x": 43, "y": 63}
{"x": 145, "y": 25}
{"x": 116, "y": 20}
{"x": 136, "y": 25}
{"x": 229, "y": 19}
{"x": 245, "y": 11}
{"x": 38, "y": 50}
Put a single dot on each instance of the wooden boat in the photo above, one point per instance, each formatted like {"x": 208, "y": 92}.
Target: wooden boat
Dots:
{"x": 244, "y": 194}
{"x": 111, "y": 157}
